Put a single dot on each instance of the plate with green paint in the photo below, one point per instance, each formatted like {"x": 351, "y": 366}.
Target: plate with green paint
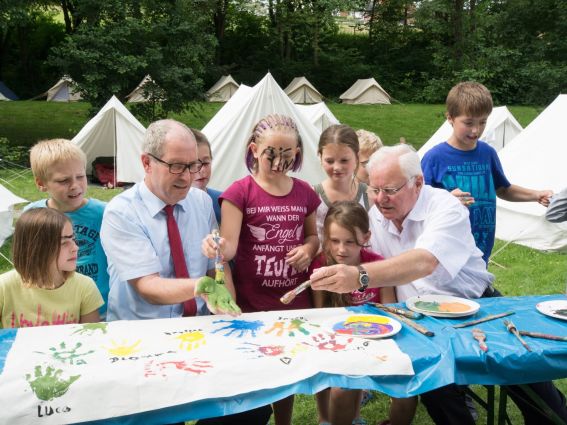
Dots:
{"x": 442, "y": 305}
{"x": 554, "y": 308}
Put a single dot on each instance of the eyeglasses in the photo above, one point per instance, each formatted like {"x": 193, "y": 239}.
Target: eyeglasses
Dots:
{"x": 388, "y": 191}
{"x": 179, "y": 168}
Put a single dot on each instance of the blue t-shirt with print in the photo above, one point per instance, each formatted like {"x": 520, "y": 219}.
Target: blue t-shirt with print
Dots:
{"x": 477, "y": 171}
{"x": 91, "y": 259}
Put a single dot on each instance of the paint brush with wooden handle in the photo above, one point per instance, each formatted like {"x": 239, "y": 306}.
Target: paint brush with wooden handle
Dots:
{"x": 290, "y": 296}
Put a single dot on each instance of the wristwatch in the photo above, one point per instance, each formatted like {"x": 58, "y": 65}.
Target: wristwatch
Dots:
{"x": 363, "y": 279}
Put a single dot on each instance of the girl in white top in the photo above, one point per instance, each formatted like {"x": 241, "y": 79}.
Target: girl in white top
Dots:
{"x": 338, "y": 149}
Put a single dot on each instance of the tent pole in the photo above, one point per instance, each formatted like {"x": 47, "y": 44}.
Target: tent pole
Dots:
{"x": 115, "y": 145}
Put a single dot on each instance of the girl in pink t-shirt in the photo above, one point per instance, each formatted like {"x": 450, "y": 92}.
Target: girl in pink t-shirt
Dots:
{"x": 346, "y": 232}
{"x": 268, "y": 226}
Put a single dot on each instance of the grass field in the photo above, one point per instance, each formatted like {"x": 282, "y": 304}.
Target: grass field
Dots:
{"x": 524, "y": 271}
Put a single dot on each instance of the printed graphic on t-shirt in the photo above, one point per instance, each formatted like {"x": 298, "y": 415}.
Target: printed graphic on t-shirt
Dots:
{"x": 476, "y": 178}
{"x": 86, "y": 240}
{"x": 280, "y": 231}
{"x": 19, "y": 320}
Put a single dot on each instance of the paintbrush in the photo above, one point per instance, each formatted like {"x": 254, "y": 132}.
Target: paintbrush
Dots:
{"x": 481, "y": 338}
{"x": 290, "y": 296}
{"x": 484, "y": 319}
{"x": 411, "y": 323}
{"x": 219, "y": 266}
{"x": 543, "y": 336}
{"x": 512, "y": 328}
{"x": 406, "y": 313}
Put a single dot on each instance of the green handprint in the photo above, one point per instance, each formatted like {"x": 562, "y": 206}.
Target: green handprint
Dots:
{"x": 90, "y": 328}
{"x": 49, "y": 385}
{"x": 218, "y": 297}
{"x": 72, "y": 355}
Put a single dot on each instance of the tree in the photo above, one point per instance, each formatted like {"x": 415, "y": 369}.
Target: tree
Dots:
{"x": 121, "y": 41}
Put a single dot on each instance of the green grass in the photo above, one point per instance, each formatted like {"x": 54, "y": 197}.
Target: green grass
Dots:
{"x": 26, "y": 122}
{"x": 520, "y": 270}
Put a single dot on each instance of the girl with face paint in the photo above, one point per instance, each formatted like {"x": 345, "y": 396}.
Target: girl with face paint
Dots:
{"x": 268, "y": 226}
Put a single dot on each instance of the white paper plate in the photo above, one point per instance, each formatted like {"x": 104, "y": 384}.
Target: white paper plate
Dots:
{"x": 555, "y": 308}
{"x": 442, "y": 306}
{"x": 365, "y": 325}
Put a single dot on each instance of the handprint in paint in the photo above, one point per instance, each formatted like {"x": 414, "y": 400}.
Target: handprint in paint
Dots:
{"x": 329, "y": 342}
{"x": 124, "y": 349}
{"x": 49, "y": 385}
{"x": 191, "y": 340}
{"x": 70, "y": 355}
{"x": 91, "y": 328}
{"x": 153, "y": 368}
{"x": 289, "y": 328}
{"x": 259, "y": 351}
{"x": 239, "y": 327}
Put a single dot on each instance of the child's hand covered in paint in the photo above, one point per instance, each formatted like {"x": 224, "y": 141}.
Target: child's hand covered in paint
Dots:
{"x": 464, "y": 197}
{"x": 216, "y": 296}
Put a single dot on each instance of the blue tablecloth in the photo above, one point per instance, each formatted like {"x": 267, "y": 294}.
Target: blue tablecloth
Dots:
{"x": 452, "y": 355}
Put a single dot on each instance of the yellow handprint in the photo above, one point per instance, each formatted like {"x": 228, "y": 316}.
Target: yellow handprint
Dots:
{"x": 123, "y": 349}
{"x": 191, "y": 340}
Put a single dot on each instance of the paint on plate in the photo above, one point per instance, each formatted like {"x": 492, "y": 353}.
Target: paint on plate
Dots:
{"x": 443, "y": 307}
{"x": 364, "y": 326}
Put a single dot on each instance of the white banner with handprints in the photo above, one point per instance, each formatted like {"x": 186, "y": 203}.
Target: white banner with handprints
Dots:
{"x": 56, "y": 374}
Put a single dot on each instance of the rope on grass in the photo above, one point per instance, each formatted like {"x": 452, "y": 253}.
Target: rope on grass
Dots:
{"x": 6, "y": 258}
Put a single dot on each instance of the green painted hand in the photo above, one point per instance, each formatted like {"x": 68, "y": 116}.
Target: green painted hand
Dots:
{"x": 217, "y": 296}
{"x": 49, "y": 385}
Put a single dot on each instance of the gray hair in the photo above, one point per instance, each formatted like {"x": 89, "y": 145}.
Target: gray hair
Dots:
{"x": 408, "y": 159}
{"x": 156, "y": 134}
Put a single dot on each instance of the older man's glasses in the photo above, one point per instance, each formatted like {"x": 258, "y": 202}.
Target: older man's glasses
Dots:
{"x": 179, "y": 168}
{"x": 388, "y": 191}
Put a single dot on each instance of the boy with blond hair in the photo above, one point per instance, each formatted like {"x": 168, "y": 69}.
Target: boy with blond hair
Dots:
{"x": 469, "y": 168}
{"x": 368, "y": 143}
{"x": 59, "y": 168}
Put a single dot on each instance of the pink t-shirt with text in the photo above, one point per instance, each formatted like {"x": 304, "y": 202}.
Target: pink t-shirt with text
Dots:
{"x": 271, "y": 227}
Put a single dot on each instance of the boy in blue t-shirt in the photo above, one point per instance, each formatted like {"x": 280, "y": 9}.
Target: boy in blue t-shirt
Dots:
{"x": 469, "y": 168}
{"x": 59, "y": 168}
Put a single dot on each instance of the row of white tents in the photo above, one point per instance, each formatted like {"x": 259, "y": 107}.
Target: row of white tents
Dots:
{"x": 532, "y": 158}
{"x": 300, "y": 91}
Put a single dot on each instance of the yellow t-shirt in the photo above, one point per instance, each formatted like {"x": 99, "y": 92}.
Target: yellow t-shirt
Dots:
{"x": 22, "y": 307}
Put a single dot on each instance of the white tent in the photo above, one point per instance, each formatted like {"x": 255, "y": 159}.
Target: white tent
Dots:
{"x": 535, "y": 160}
{"x": 300, "y": 90}
{"x": 230, "y": 129}
{"x": 222, "y": 90}
{"x": 319, "y": 115}
{"x": 63, "y": 91}
{"x": 137, "y": 95}
{"x": 366, "y": 91}
{"x": 501, "y": 128}
{"x": 114, "y": 132}
{"x": 7, "y": 201}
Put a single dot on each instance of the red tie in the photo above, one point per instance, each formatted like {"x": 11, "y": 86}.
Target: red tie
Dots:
{"x": 179, "y": 265}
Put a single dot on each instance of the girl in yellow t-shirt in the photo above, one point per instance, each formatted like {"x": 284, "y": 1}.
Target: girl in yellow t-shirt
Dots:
{"x": 44, "y": 288}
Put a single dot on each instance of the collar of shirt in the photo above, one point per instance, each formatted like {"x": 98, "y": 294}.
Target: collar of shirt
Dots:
{"x": 152, "y": 202}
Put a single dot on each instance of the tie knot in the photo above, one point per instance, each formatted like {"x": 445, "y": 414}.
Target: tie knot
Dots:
{"x": 169, "y": 210}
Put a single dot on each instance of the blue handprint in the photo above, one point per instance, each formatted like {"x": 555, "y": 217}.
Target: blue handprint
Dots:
{"x": 241, "y": 327}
